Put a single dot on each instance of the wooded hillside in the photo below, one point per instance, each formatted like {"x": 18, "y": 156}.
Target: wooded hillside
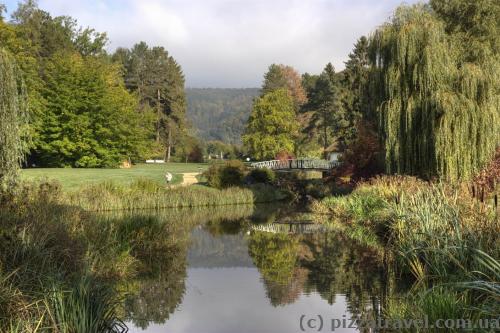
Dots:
{"x": 218, "y": 113}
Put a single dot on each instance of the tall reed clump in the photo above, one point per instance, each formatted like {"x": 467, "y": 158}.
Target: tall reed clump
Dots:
{"x": 435, "y": 233}
{"x": 45, "y": 285}
{"x": 145, "y": 194}
{"x": 87, "y": 307}
{"x": 451, "y": 248}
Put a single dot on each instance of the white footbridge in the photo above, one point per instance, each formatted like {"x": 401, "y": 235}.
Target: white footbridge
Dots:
{"x": 296, "y": 164}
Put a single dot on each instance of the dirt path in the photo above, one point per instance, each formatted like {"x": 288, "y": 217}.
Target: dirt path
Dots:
{"x": 189, "y": 178}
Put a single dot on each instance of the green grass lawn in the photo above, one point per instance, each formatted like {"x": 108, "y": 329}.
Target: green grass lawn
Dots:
{"x": 72, "y": 179}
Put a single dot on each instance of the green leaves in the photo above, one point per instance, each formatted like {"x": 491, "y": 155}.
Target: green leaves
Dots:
{"x": 328, "y": 116}
{"x": 439, "y": 114}
{"x": 91, "y": 119}
{"x": 271, "y": 126}
{"x": 13, "y": 121}
{"x": 159, "y": 83}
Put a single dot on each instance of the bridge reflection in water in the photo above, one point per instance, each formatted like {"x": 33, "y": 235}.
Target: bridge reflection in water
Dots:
{"x": 290, "y": 228}
{"x": 296, "y": 164}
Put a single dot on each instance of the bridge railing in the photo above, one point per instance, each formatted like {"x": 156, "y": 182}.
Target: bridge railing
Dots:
{"x": 296, "y": 164}
{"x": 295, "y": 228}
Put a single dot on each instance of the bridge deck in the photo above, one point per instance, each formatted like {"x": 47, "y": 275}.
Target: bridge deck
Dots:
{"x": 296, "y": 164}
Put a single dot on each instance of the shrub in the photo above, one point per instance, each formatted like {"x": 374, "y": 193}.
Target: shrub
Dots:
{"x": 225, "y": 175}
{"x": 232, "y": 173}
{"x": 213, "y": 176}
{"x": 263, "y": 175}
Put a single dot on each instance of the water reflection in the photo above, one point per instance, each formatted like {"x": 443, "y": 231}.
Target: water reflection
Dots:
{"x": 213, "y": 271}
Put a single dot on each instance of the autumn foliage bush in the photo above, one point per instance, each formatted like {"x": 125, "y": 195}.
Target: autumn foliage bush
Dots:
{"x": 489, "y": 177}
{"x": 362, "y": 159}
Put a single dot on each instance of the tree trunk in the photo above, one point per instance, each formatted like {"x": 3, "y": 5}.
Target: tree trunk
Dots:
{"x": 325, "y": 142}
{"x": 158, "y": 118}
{"x": 169, "y": 144}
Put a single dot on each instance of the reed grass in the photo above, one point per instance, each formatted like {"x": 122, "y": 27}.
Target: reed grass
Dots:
{"x": 87, "y": 307}
{"x": 436, "y": 234}
{"x": 145, "y": 194}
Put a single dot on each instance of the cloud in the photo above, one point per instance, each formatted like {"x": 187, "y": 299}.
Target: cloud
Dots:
{"x": 230, "y": 43}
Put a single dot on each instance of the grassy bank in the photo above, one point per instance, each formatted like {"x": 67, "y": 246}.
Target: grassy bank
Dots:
{"x": 73, "y": 179}
{"x": 144, "y": 194}
{"x": 433, "y": 234}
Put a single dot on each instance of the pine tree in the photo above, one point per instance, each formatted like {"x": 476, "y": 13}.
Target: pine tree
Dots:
{"x": 158, "y": 80}
{"x": 274, "y": 79}
{"x": 328, "y": 118}
{"x": 354, "y": 81}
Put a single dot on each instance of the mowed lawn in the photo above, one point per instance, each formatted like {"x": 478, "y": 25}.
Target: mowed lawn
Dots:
{"x": 72, "y": 179}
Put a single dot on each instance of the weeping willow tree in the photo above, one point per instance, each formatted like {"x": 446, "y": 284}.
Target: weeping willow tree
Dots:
{"x": 438, "y": 115}
{"x": 13, "y": 121}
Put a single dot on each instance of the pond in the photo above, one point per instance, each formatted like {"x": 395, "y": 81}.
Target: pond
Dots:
{"x": 243, "y": 270}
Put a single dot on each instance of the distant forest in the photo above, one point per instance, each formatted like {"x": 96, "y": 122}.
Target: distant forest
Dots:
{"x": 219, "y": 113}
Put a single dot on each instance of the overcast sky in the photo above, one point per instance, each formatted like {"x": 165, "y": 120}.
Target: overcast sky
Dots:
{"x": 230, "y": 43}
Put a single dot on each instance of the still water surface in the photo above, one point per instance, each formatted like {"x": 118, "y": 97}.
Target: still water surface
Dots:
{"x": 245, "y": 273}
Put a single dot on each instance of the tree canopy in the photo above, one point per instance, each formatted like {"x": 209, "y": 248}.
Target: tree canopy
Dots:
{"x": 272, "y": 125}
{"x": 284, "y": 77}
{"x": 13, "y": 121}
{"x": 159, "y": 82}
{"x": 84, "y": 112}
{"x": 328, "y": 118}
{"x": 439, "y": 112}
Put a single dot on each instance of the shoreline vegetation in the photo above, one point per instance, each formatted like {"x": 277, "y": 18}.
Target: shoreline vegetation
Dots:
{"x": 433, "y": 234}
{"x": 144, "y": 194}
{"x": 145, "y": 188}
{"x": 63, "y": 268}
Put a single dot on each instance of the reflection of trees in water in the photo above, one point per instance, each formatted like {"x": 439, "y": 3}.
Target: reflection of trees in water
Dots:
{"x": 286, "y": 292}
{"x": 219, "y": 250}
{"x": 160, "y": 283}
{"x": 159, "y": 241}
{"x": 290, "y": 265}
{"x": 326, "y": 263}
{"x": 157, "y": 298}
{"x": 222, "y": 227}
{"x": 275, "y": 255}
{"x": 341, "y": 266}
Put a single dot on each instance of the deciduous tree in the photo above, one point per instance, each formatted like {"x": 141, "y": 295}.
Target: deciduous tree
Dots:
{"x": 13, "y": 121}
{"x": 272, "y": 125}
{"x": 439, "y": 114}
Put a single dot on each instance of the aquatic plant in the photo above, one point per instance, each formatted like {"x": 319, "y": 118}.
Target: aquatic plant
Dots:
{"x": 434, "y": 233}
{"x": 89, "y": 306}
